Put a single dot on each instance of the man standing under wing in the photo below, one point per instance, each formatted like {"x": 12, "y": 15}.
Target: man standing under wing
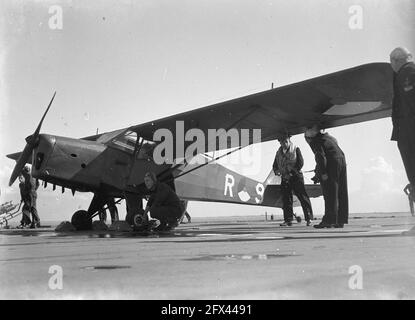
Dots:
{"x": 288, "y": 163}
{"x": 331, "y": 172}
{"x": 403, "y": 108}
{"x": 31, "y": 186}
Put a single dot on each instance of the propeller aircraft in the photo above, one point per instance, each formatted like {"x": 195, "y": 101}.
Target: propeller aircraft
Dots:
{"x": 112, "y": 164}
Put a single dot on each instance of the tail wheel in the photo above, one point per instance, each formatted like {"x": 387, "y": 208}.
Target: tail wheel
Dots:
{"x": 81, "y": 220}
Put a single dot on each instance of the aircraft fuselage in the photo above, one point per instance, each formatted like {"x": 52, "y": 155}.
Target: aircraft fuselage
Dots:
{"x": 86, "y": 165}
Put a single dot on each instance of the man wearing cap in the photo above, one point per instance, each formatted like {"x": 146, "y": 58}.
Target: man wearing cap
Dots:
{"x": 288, "y": 163}
{"x": 31, "y": 185}
{"x": 331, "y": 172}
{"x": 26, "y": 200}
{"x": 403, "y": 108}
{"x": 163, "y": 204}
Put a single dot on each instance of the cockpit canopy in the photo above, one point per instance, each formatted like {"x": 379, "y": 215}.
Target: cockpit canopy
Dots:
{"x": 130, "y": 141}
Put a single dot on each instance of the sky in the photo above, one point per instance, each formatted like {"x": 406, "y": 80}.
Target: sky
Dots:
{"x": 121, "y": 63}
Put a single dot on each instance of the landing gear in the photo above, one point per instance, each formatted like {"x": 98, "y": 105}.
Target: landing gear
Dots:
{"x": 81, "y": 220}
{"x": 141, "y": 224}
{"x": 138, "y": 220}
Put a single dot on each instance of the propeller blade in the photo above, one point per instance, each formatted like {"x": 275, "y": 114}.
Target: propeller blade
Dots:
{"x": 44, "y": 115}
{"x": 29, "y": 148}
{"x": 14, "y": 156}
{"x": 24, "y": 156}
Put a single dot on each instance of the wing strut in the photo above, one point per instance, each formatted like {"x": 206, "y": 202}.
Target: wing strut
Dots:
{"x": 204, "y": 164}
{"x": 254, "y": 109}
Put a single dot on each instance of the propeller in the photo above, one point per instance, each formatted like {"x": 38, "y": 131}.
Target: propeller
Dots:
{"x": 31, "y": 143}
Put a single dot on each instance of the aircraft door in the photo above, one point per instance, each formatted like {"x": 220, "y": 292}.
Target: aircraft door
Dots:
{"x": 144, "y": 162}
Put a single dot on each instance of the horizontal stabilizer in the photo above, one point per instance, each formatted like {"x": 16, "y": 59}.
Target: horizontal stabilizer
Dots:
{"x": 273, "y": 193}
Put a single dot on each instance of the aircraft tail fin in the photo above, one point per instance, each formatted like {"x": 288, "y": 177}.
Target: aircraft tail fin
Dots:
{"x": 214, "y": 182}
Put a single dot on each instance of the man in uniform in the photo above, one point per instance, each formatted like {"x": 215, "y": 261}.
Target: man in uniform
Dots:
{"x": 331, "y": 172}
{"x": 410, "y": 192}
{"x": 112, "y": 207}
{"x": 403, "y": 108}
{"x": 32, "y": 185}
{"x": 287, "y": 164}
{"x": 26, "y": 200}
{"x": 163, "y": 204}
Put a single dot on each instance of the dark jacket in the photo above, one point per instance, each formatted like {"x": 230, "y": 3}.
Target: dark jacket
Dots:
{"x": 403, "y": 103}
{"x": 163, "y": 196}
{"x": 325, "y": 149}
{"x": 298, "y": 164}
{"x": 25, "y": 193}
{"x": 31, "y": 185}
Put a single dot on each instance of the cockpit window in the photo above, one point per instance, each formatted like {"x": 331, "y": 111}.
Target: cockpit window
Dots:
{"x": 146, "y": 149}
{"x": 128, "y": 142}
{"x": 125, "y": 141}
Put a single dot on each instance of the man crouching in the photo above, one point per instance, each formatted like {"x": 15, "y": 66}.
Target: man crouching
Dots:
{"x": 163, "y": 204}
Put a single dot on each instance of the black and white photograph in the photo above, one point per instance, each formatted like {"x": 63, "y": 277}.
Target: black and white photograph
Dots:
{"x": 226, "y": 151}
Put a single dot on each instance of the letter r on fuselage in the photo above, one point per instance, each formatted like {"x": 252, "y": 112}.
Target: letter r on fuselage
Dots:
{"x": 229, "y": 183}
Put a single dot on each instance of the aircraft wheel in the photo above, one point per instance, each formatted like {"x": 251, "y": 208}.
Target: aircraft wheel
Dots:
{"x": 298, "y": 219}
{"x": 81, "y": 220}
{"x": 138, "y": 220}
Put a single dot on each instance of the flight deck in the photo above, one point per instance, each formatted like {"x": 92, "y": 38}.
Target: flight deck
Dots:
{"x": 215, "y": 258}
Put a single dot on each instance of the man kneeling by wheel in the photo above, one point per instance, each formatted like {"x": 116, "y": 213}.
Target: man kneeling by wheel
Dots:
{"x": 163, "y": 204}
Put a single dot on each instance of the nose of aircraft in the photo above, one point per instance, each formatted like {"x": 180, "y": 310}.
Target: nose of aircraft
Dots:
{"x": 39, "y": 155}
{"x": 42, "y": 152}
{"x": 32, "y": 142}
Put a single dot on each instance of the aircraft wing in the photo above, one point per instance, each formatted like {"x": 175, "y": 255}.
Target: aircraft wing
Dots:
{"x": 349, "y": 96}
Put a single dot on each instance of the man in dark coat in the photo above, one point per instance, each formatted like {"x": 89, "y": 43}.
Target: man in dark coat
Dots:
{"x": 403, "y": 108}
{"x": 331, "y": 172}
{"x": 31, "y": 185}
{"x": 410, "y": 192}
{"x": 287, "y": 164}
{"x": 26, "y": 200}
{"x": 163, "y": 204}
